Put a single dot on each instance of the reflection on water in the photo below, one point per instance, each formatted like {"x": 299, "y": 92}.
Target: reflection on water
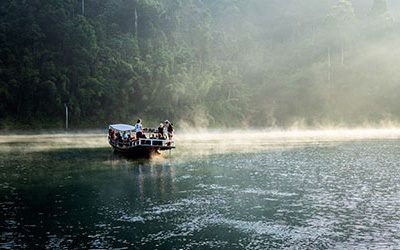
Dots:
{"x": 298, "y": 191}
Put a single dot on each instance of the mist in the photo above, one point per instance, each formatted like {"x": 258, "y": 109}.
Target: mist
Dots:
{"x": 201, "y": 142}
{"x": 331, "y": 62}
{"x": 265, "y": 64}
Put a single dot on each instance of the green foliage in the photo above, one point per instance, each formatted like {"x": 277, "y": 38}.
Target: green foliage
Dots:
{"x": 201, "y": 63}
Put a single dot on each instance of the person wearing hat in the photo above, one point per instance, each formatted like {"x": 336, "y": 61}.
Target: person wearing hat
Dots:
{"x": 161, "y": 131}
{"x": 170, "y": 129}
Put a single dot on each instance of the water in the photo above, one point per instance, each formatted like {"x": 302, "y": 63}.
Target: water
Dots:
{"x": 302, "y": 192}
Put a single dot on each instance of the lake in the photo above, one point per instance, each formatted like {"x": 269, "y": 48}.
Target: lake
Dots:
{"x": 230, "y": 190}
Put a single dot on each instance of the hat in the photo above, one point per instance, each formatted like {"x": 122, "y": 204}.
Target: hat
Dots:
{"x": 166, "y": 121}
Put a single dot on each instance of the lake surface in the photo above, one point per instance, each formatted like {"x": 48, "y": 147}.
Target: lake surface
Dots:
{"x": 303, "y": 191}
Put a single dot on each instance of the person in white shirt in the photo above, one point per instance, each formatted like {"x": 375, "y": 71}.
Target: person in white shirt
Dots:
{"x": 139, "y": 129}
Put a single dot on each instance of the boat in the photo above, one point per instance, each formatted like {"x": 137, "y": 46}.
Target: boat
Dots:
{"x": 138, "y": 147}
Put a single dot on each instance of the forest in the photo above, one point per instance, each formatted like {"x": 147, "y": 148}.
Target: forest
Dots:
{"x": 199, "y": 63}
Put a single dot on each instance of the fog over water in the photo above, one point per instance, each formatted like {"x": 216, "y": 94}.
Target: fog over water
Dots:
{"x": 201, "y": 140}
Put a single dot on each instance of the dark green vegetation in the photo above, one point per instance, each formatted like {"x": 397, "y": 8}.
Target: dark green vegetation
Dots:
{"x": 200, "y": 62}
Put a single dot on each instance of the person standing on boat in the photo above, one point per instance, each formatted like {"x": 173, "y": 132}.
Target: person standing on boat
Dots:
{"x": 170, "y": 129}
{"x": 161, "y": 131}
{"x": 139, "y": 129}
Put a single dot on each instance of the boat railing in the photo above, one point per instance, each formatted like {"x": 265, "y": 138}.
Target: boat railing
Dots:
{"x": 155, "y": 142}
{"x": 150, "y": 142}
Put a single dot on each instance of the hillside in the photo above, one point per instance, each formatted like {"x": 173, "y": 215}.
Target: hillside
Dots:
{"x": 198, "y": 62}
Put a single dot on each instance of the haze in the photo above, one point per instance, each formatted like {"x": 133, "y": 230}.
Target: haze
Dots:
{"x": 256, "y": 63}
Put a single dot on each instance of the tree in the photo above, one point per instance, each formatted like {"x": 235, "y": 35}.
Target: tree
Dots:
{"x": 380, "y": 14}
{"x": 379, "y": 8}
{"x": 341, "y": 20}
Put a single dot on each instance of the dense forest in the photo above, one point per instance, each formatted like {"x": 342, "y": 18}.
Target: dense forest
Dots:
{"x": 199, "y": 62}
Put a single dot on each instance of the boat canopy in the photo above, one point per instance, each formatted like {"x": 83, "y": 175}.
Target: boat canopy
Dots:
{"x": 122, "y": 127}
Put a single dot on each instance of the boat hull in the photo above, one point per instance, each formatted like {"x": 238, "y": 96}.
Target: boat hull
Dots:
{"x": 139, "y": 151}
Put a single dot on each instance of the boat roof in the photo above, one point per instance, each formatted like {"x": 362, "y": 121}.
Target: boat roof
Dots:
{"x": 122, "y": 127}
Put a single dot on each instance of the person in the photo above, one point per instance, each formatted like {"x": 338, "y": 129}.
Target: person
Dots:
{"x": 110, "y": 134}
{"x": 161, "y": 131}
{"x": 139, "y": 129}
{"x": 170, "y": 129}
{"x": 118, "y": 138}
{"x": 125, "y": 136}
